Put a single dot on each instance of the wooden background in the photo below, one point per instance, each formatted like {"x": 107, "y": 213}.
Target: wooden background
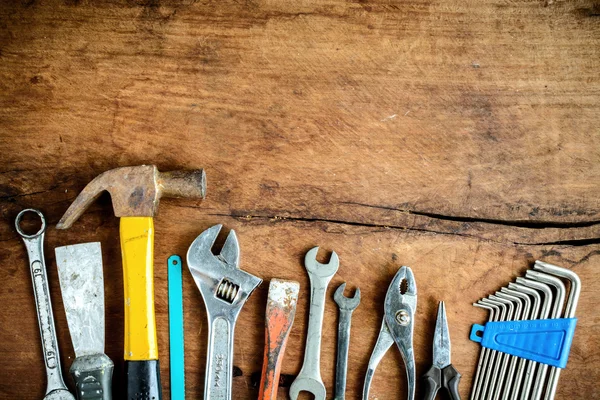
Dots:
{"x": 460, "y": 137}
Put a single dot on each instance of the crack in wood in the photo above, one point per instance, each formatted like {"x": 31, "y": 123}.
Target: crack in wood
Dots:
{"x": 246, "y": 216}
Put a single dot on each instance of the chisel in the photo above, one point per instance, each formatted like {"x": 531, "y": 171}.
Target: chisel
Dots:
{"x": 82, "y": 287}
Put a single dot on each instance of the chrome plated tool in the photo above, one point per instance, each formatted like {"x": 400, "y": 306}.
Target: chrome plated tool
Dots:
{"x": 309, "y": 378}
{"x": 347, "y": 305}
{"x": 82, "y": 287}
{"x": 225, "y": 289}
{"x": 397, "y": 327}
{"x": 535, "y": 381}
{"x": 514, "y": 380}
{"x": 559, "y": 302}
{"x": 55, "y": 388}
{"x": 569, "y": 312}
{"x": 537, "y": 336}
{"x": 279, "y": 317}
{"x": 176, "y": 337}
{"x": 442, "y": 373}
{"x": 484, "y": 357}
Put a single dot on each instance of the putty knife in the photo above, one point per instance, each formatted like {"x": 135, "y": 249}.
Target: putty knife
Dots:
{"x": 82, "y": 286}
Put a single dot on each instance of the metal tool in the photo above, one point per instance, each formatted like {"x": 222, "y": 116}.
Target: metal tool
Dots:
{"x": 347, "y": 305}
{"x": 397, "y": 327}
{"x": 55, "y": 387}
{"x": 559, "y": 300}
{"x": 309, "y": 378}
{"x": 480, "y": 372}
{"x": 500, "y": 367}
{"x": 135, "y": 193}
{"x": 508, "y": 369}
{"x": 442, "y": 373}
{"x": 536, "y": 380}
{"x": 496, "y": 357}
{"x": 82, "y": 287}
{"x": 569, "y": 312}
{"x": 225, "y": 289}
{"x": 279, "y": 317}
{"x": 176, "y": 336}
{"x": 541, "y": 348}
{"x": 514, "y": 380}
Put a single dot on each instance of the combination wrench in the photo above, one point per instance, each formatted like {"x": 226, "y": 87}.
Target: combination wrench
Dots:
{"x": 309, "y": 378}
{"x": 347, "y": 306}
{"x": 55, "y": 389}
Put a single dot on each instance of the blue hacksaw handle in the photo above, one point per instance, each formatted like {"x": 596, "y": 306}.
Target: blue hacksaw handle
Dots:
{"x": 177, "y": 366}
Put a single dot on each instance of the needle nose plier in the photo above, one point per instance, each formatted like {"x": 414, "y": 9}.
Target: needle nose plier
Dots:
{"x": 441, "y": 374}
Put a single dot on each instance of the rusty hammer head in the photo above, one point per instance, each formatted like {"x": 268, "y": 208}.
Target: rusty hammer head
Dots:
{"x": 136, "y": 191}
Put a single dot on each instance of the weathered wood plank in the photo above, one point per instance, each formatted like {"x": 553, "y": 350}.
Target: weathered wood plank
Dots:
{"x": 460, "y": 138}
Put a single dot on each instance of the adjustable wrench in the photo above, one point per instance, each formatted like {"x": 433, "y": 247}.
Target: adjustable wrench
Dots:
{"x": 55, "y": 389}
{"x": 309, "y": 378}
{"x": 225, "y": 289}
{"x": 347, "y": 305}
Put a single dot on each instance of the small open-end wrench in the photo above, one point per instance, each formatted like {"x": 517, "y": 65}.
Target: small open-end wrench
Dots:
{"x": 55, "y": 389}
{"x": 347, "y": 305}
{"x": 279, "y": 317}
{"x": 225, "y": 289}
{"x": 309, "y": 378}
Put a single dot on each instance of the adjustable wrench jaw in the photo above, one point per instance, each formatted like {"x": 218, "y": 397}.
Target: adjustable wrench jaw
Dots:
{"x": 224, "y": 287}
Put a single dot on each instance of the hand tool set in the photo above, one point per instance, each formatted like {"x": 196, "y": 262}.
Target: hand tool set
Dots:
{"x": 525, "y": 342}
{"x": 528, "y": 336}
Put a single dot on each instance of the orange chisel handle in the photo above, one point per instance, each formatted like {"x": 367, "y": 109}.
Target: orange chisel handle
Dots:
{"x": 279, "y": 317}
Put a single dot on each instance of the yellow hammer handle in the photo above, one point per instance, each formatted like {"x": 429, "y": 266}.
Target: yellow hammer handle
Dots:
{"x": 137, "y": 251}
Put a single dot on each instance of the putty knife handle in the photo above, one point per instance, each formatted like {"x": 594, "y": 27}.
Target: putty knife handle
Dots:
{"x": 93, "y": 377}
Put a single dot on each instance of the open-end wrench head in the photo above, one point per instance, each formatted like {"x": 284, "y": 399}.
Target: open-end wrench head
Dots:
{"x": 346, "y": 303}
{"x": 321, "y": 270}
{"x": 201, "y": 248}
{"x": 307, "y": 384}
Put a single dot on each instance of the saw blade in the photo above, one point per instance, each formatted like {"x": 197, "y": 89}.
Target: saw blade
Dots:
{"x": 82, "y": 287}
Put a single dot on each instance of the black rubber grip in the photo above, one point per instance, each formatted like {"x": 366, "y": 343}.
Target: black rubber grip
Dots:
{"x": 432, "y": 382}
{"x": 143, "y": 380}
{"x": 451, "y": 379}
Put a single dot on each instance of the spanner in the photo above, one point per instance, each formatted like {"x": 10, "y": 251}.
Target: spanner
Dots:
{"x": 309, "y": 378}
{"x": 55, "y": 389}
{"x": 225, "y": 289}
{"x": 347, "y": 305}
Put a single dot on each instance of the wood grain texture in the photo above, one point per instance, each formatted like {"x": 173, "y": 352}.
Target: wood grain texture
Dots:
{"x": 458, "y": 137}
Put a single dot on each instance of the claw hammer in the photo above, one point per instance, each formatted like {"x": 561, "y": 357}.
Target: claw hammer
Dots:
{"x": 135, "y": 193}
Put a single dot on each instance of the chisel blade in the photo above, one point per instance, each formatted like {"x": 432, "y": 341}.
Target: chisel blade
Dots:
{"x": 82, "y": 287}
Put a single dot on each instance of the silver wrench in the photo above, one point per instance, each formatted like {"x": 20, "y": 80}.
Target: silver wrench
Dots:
{"x": 347, "y": 305}
{"x": 225, "y": 289}
{"x": 309, "y": 378}
{"x": 55, "y": 388}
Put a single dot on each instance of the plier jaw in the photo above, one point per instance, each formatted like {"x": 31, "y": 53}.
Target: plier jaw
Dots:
{"x": 397, "y": 327}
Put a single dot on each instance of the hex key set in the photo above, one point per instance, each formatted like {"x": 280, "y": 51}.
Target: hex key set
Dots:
{"x": 527, "y": 339}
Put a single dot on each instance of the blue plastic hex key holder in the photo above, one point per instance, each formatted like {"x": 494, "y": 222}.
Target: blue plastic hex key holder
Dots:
{"x": 547, "y": 341}
{"x": 177, "y": 365}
